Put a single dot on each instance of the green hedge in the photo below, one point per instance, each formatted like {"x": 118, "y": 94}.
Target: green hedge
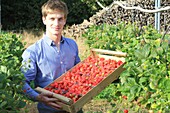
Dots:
{"x": 26, "y": 14}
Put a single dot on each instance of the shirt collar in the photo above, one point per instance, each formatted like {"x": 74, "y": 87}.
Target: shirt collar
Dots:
{"x": 51, "y": 42}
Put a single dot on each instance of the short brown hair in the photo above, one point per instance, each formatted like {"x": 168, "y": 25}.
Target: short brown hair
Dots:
{"x": 53, "y": 5}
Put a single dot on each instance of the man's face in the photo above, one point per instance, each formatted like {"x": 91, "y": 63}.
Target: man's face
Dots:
{"x": 54, "y": 22}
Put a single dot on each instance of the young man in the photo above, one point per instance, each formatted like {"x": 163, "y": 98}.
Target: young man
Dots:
{"x": 50, "y": 57}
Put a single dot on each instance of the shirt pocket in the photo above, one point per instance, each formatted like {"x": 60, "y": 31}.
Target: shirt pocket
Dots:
{"x": 44, "y": 68}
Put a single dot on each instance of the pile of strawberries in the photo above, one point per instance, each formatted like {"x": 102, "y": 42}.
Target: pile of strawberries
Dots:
{"x": 83, "y": 77}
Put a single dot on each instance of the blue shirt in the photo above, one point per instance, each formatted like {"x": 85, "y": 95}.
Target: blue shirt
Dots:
{"x": 43, "y": 62}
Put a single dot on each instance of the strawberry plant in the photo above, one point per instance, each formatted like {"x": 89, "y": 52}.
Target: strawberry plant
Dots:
{"x": 146, "y": 78}
{"x": 11, "y": 48}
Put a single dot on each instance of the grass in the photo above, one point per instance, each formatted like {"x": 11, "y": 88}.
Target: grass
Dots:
{"x": 30, "y": 37}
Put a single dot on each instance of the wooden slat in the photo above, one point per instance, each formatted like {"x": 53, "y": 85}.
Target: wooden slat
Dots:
{"x": 115, "y": 53}
{"x": 58, "y": 96}
{"x": 112, "y": 57}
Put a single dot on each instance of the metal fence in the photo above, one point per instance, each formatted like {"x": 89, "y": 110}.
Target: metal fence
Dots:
{"x": 145, "y": 12}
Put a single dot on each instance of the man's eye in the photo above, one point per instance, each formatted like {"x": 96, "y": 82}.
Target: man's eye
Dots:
{"x": 51, "y": 18}
{"x": 60, "y": 19}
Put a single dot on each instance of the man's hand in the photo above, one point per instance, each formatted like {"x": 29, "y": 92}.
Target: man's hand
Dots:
{"x": 48, "y": 99}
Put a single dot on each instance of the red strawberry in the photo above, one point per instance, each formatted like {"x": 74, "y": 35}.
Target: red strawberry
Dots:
{"x": 125, "y": 111}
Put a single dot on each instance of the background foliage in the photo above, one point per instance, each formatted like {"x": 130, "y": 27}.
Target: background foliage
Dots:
{"x": 26, "y": 14}
{"x": 11, "y": 97}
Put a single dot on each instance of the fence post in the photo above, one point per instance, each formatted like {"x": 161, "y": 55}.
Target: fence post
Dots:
{"x": 157, "y": 15}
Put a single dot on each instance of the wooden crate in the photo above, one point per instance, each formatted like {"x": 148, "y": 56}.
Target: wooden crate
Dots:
{"x": 68, "y": 105}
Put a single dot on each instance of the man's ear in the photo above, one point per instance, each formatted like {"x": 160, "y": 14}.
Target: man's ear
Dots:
{"x": 44, "y": 20}
{"x": 65, "y": 21}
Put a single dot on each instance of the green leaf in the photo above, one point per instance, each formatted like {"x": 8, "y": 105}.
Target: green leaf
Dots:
{"x": 22, "y": 104}
{"x": 139, "y": 55}
{"x": 135, "y": 89}
{"x": 143, "y": 80}
{"x": 2, "y": 77}
{"x": 139, "y": 70}
{"x": 146, "y": 50}
{"x": 167, "y": 84}
{"x": 165, "y": 45}
{"x": 161, "y": 83}
{"x": 154, "y": 105}
{"x": 151, "y": 100}
{"x": 125, "y": 88}
{"x": 152, "y": 85}
{"x": 131, "y": 81}
{"x": 131, "y": 96}
{"x": 3, "y": 104}
{"x": 168, "y": 57}
{"x": 3, "y": 69}
{"x": 169, "y": 97}
{"x": 1, "y": 86}
{"x": 153, "y": 53}
{"x": 159, "y": 50}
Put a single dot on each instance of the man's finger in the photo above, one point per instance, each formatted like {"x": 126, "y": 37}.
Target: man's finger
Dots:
{"x": 48, "y": 94}
{"x": 52, "y": 99}
{"x": 55, "y": 105}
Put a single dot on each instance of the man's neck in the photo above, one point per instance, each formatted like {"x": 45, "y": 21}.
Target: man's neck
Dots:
{"x": 55, "y": 38}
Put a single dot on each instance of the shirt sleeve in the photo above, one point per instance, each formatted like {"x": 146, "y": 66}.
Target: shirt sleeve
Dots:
{"x": 29, "y": 69}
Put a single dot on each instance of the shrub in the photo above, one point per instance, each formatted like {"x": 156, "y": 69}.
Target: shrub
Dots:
{"x": 11, "y": 48}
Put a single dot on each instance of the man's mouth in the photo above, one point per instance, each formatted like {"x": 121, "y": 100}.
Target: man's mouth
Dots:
{"x": 56, "y": 29}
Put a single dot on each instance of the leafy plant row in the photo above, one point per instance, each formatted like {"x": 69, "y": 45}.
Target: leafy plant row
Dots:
{"x": 11, "y": 48}
{"x": 146, "y": 80}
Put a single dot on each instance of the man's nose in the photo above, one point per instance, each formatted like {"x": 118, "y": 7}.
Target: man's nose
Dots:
{"x": 56, "y": 22}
